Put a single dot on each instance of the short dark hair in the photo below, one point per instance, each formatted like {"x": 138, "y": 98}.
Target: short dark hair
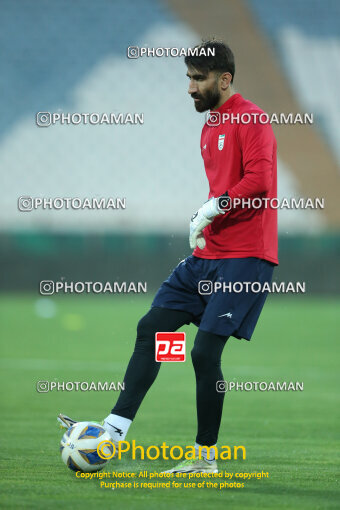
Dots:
{"x": 223, "y": 61}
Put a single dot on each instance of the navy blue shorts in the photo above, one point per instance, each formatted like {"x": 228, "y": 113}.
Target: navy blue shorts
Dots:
{"x": 200, "y": 287}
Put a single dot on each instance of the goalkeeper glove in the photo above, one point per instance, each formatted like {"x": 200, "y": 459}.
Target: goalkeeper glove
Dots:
{"x": 203, "y": 217}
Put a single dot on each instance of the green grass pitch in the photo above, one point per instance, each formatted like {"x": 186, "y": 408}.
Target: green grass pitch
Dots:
{"x": 290, "y": 435}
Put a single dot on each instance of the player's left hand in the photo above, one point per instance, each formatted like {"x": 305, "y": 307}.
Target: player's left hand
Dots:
{"x": 202, "y": 218}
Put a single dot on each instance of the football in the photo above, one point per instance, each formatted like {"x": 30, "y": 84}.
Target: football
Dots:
{"x": 78, "y": 447}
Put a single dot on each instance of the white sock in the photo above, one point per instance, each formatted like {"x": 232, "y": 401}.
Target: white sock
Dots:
{"x": 204, "y": 453}
{"x": 117, "y": 426}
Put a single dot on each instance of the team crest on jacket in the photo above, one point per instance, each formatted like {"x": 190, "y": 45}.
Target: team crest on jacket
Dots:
{"x": 221, "y": 142}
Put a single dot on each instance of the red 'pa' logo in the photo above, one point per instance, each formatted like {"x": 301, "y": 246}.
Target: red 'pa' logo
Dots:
{"x": 170, "y": 346}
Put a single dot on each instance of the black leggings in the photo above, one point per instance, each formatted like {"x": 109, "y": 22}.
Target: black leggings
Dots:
{"x": 142, "y": 370}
